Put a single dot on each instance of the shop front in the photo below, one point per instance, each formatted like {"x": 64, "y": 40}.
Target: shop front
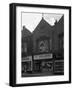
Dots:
{"x": 43, "y": 63}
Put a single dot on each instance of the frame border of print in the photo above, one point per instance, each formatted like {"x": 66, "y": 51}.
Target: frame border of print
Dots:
{"x": 12, "y": 64}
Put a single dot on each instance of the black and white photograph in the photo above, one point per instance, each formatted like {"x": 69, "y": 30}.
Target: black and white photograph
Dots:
{"x": 40, "y": 44}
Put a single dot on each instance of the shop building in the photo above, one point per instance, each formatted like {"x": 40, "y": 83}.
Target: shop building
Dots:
{"x": 45, "y": 46}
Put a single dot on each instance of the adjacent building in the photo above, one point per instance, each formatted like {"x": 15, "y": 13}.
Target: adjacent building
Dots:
{"x": 26, "y": 50}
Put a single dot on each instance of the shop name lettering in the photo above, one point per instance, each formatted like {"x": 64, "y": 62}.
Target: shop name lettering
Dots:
{"x": 37, "y": 57}
{"x": 44, "y": 56}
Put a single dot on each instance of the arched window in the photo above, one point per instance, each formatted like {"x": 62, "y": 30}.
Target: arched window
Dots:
{"x": 24, "y": 47}
{"x": 43, "y": 46}
{"x": 61, "y": 41}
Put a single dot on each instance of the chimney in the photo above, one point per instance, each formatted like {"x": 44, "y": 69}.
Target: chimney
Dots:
{"x": 55, "y": 22}
{"x": 24, "y": 27}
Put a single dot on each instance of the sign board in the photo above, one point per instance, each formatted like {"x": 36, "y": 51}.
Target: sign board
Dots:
{"x": 43, "y": 56}
{"x": 28, "y": 58}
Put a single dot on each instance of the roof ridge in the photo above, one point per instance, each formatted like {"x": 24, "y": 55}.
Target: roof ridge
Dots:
{"x": 40, "y": 23}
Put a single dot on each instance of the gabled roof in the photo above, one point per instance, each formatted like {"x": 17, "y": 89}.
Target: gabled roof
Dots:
{"x": 25, "y": 32}
{"x": 61, "y": 20}
{"x": 60, "y": 25}
{"x": 43, "y": 25}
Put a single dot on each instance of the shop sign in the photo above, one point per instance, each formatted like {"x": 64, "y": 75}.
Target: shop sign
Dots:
{"x": 28, "y": 58}
{"x": 43, "y": 56}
